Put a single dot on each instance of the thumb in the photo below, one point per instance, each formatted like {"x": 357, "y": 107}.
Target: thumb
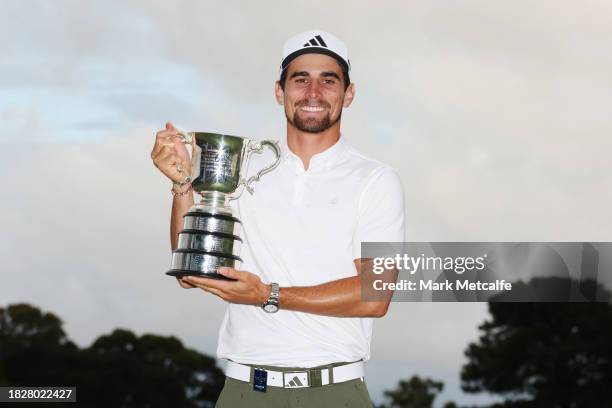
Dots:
{"x": 229, "y": 272}
{"x": 170, "y": 126}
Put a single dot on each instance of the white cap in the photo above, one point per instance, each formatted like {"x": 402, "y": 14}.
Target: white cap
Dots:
{"x": 315, "y": 41}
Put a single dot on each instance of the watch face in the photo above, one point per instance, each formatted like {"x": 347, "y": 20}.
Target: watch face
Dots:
{"x": 270, "y": 308}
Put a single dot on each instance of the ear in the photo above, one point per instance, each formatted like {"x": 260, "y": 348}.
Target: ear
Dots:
{"x": 349, "y": 94}
{"x": 279, "y": 93}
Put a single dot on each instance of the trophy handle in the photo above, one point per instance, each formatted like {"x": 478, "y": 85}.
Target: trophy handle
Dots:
{"x": 186, "y": 137}
{"x": 256, "y": 146}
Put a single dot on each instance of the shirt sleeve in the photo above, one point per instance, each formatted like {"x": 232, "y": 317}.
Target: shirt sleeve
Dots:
{"x": 380, "y": 210}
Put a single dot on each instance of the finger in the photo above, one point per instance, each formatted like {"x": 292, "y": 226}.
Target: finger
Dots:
{"x": 178, "y": 141}
{"x": 170, "y": 167}
{"x": 157, "y": 147}
{"x": 184, "y": 284}
{"x": 165, "y": 157}
{"x": 181, "y": 147}
{"x": 165, "y": 148}
{"x": 214, "y": 291}
{"x": 200, "y": 281}
{"x": 163, "y": 154}
{"x": 165, "y": 134}
{"x": 162, "y": 139}
{"x": 231, "y": 273}
{"x": 207, "y": 282}
{"x": 170, "y": 126}
{"x": 169, "y": 152}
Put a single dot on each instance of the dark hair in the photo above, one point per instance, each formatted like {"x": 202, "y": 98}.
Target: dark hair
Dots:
{"x": 345, "y": 74}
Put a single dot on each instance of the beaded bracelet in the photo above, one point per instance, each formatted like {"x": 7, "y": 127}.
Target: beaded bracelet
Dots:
{"x": 180, "y": 194}
{"x": 186, "y": 180}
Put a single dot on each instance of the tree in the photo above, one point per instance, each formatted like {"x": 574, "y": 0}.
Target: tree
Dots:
{"x": 151, "y": 371}
{"x": 414, "y": 393}
{"x": 552, "y": 355}
{"x": 118, "y": 369}
{"x": 34, "y": 349}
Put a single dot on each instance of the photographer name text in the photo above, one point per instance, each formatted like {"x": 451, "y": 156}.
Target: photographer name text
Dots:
{"x": 497, "y": 285}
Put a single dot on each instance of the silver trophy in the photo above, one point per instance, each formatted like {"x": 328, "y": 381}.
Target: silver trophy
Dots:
{"x": 211, "y": 234}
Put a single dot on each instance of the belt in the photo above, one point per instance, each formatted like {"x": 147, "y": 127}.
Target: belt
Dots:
{"x": 308, "y": 377}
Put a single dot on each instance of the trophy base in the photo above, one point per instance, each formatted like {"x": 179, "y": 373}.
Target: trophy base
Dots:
{"x": 179, "y": 273}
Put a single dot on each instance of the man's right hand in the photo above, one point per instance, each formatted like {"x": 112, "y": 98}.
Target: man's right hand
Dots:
{"x": 170, "y": 151}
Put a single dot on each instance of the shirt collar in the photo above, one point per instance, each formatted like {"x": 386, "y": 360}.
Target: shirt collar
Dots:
{"x": 324, "y": 160}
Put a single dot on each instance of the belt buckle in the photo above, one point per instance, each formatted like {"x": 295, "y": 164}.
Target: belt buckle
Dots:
{"x": 296, "y": 379}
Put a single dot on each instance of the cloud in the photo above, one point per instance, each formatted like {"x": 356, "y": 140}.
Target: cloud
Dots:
{"x": 496, "y": 117}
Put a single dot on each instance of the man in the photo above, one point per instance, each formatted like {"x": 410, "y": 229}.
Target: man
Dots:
{"x": 297, "y": 332}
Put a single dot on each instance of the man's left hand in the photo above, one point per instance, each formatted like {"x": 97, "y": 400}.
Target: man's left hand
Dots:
{"x": 247, "y": 289}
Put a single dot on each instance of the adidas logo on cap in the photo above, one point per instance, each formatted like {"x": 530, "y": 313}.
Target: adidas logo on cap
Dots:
{"x": 315, "y": 41}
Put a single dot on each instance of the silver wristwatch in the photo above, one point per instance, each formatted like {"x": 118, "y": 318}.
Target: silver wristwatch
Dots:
{"x": 271, "y": 305}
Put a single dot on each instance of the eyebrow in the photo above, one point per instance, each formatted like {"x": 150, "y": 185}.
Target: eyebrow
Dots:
{"x": 330, "y": 74}
{"x": 324, "y": 74}
{"x": 299, "y": 73}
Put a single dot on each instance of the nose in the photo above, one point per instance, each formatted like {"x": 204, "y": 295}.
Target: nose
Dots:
{"x": 313, "y": 89}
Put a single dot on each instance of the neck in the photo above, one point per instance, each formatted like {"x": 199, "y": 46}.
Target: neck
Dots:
{"x": 305, "y": 145}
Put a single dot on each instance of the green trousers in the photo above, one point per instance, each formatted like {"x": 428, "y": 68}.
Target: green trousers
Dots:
{"x": 348, "y": 394}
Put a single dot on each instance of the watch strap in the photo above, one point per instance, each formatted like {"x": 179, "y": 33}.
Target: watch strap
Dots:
{"x": 274, "y": 294}
{"x": 273, "y": 299}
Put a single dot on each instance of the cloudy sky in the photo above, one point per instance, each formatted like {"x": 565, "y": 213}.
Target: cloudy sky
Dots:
{"x": 494, "y": 113}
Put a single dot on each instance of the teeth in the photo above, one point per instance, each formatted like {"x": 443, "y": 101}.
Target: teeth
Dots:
{"x": 312, "y": 108}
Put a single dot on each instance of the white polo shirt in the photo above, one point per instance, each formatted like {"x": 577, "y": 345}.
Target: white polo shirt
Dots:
{"x": 304, "y": 228}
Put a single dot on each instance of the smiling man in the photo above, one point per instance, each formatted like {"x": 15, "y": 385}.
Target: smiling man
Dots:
{"x": 297, "y": 332}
